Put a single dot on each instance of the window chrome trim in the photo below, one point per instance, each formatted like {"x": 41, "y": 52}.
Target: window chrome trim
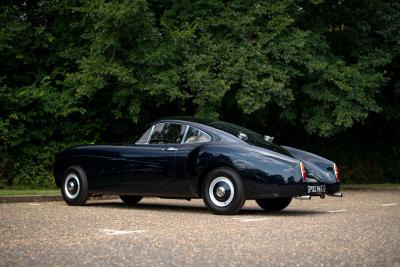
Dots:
{"x": 209, "y": 137}
{"x": 202, "y": 132}
{"x": 184, "y": 135}
{"x": 151, "y": 132}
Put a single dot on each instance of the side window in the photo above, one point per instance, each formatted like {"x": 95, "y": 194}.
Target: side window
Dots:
{"x": 195, "y": 135}
{"x": 143, "y": 139}
{"x": 156, "y": 135}
{"x": 167, "y": 133}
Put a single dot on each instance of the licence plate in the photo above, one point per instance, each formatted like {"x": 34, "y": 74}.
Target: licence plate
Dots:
{"x": 316, "y": 189}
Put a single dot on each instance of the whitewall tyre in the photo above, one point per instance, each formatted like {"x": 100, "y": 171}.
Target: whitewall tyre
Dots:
{"x": 74, "y": 187}
{"x": 223, "y": 191}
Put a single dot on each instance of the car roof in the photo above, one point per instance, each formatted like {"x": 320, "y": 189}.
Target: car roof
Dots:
{"x": 225, "y": 131}
{"x": 188, "y": 119}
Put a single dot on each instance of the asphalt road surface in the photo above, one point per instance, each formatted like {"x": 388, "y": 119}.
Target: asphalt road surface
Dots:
{"x": 362, "y": 229}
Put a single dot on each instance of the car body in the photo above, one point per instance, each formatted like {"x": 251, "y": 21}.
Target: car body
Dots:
{"x": 175, "y": 157}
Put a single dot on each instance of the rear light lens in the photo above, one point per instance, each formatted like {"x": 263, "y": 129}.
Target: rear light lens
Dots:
{"x": 337, "y": 173}
{"x": 303, "y": 171}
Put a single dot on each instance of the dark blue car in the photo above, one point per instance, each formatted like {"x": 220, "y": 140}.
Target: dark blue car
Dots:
{"x": 222, "y": 163}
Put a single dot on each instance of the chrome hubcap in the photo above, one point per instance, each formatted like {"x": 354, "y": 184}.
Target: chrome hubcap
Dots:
{"x": 72, "y": 186}
{"x": 221, "y": 191}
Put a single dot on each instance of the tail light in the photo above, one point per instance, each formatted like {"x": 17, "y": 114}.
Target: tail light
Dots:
{"x": 303, "y": 171}
{"x": 337, "y": 173}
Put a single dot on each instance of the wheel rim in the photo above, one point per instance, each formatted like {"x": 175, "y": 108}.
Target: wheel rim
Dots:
{"x": 72, "y": 186}
{"x": 221, "y": 191}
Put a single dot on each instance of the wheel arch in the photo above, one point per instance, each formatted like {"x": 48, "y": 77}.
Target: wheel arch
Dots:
{"x": 61, "y": 168}
{"x": 63, "y": 161}
{"x": 206, "y": 170}
{"x": 75, "y": 166}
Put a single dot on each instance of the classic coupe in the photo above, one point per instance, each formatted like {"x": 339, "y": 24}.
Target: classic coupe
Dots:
{"x": 222, "y": 163}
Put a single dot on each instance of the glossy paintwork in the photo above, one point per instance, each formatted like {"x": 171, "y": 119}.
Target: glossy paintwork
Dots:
{"x": 146, "y": 169}
{"x": 152, "y": 170}
{"x": 100, "y": 162}
{"x": 318, "y": 168}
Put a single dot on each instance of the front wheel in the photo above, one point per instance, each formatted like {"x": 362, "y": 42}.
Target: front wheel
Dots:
{"x": 223, "y": 191}
{"x": 74, "y": 187}
{"x": 130, "y": 200}
{"x": 274, "y": 204}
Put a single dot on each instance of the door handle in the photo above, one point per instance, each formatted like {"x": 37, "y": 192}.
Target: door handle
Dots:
{"x": 170, "y": 149}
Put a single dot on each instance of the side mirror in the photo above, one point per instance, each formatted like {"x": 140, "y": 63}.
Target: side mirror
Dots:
{"x": 268, "y": 138}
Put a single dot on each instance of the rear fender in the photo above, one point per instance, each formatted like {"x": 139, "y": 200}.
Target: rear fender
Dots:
{"x": 318, "y": 168}
{"x": 256, "y": 168}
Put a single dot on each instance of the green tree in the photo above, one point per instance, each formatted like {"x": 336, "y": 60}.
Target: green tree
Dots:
{"x": 96, "y": 71}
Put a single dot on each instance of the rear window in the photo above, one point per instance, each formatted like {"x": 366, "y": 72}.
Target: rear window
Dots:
{"x": 253, "y": 138}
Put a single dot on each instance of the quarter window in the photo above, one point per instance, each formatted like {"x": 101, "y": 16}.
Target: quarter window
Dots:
{"x": 195, "y": 135}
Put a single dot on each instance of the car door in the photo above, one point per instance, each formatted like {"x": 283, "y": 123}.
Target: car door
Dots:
{"x": 146, "y": 167}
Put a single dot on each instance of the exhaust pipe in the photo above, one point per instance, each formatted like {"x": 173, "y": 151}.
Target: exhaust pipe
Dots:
{"x": 305, "y": 197}
{"x": 336, "y": 195}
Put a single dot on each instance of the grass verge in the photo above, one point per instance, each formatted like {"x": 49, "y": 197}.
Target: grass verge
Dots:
{"x": 370, "y": 186}
{"x": 29, "y": 192}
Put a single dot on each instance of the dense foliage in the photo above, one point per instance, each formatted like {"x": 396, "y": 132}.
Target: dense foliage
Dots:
{"x": 320, "y": 75}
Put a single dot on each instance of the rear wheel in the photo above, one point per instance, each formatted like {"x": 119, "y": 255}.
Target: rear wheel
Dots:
{"x": 130, "y": 200}
{"x": 274, "y": 204}
{"x": 74, "y": 187}
{"x": 223, "y": 191}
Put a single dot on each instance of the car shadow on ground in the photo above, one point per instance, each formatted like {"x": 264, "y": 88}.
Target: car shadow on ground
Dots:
{"x": 149, "y": 206}
{"x": 286, "y": 212}
{"x": 160, "y": 207}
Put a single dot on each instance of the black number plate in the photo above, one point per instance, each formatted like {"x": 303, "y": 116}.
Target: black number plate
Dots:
{"x": 316, "y": 189}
